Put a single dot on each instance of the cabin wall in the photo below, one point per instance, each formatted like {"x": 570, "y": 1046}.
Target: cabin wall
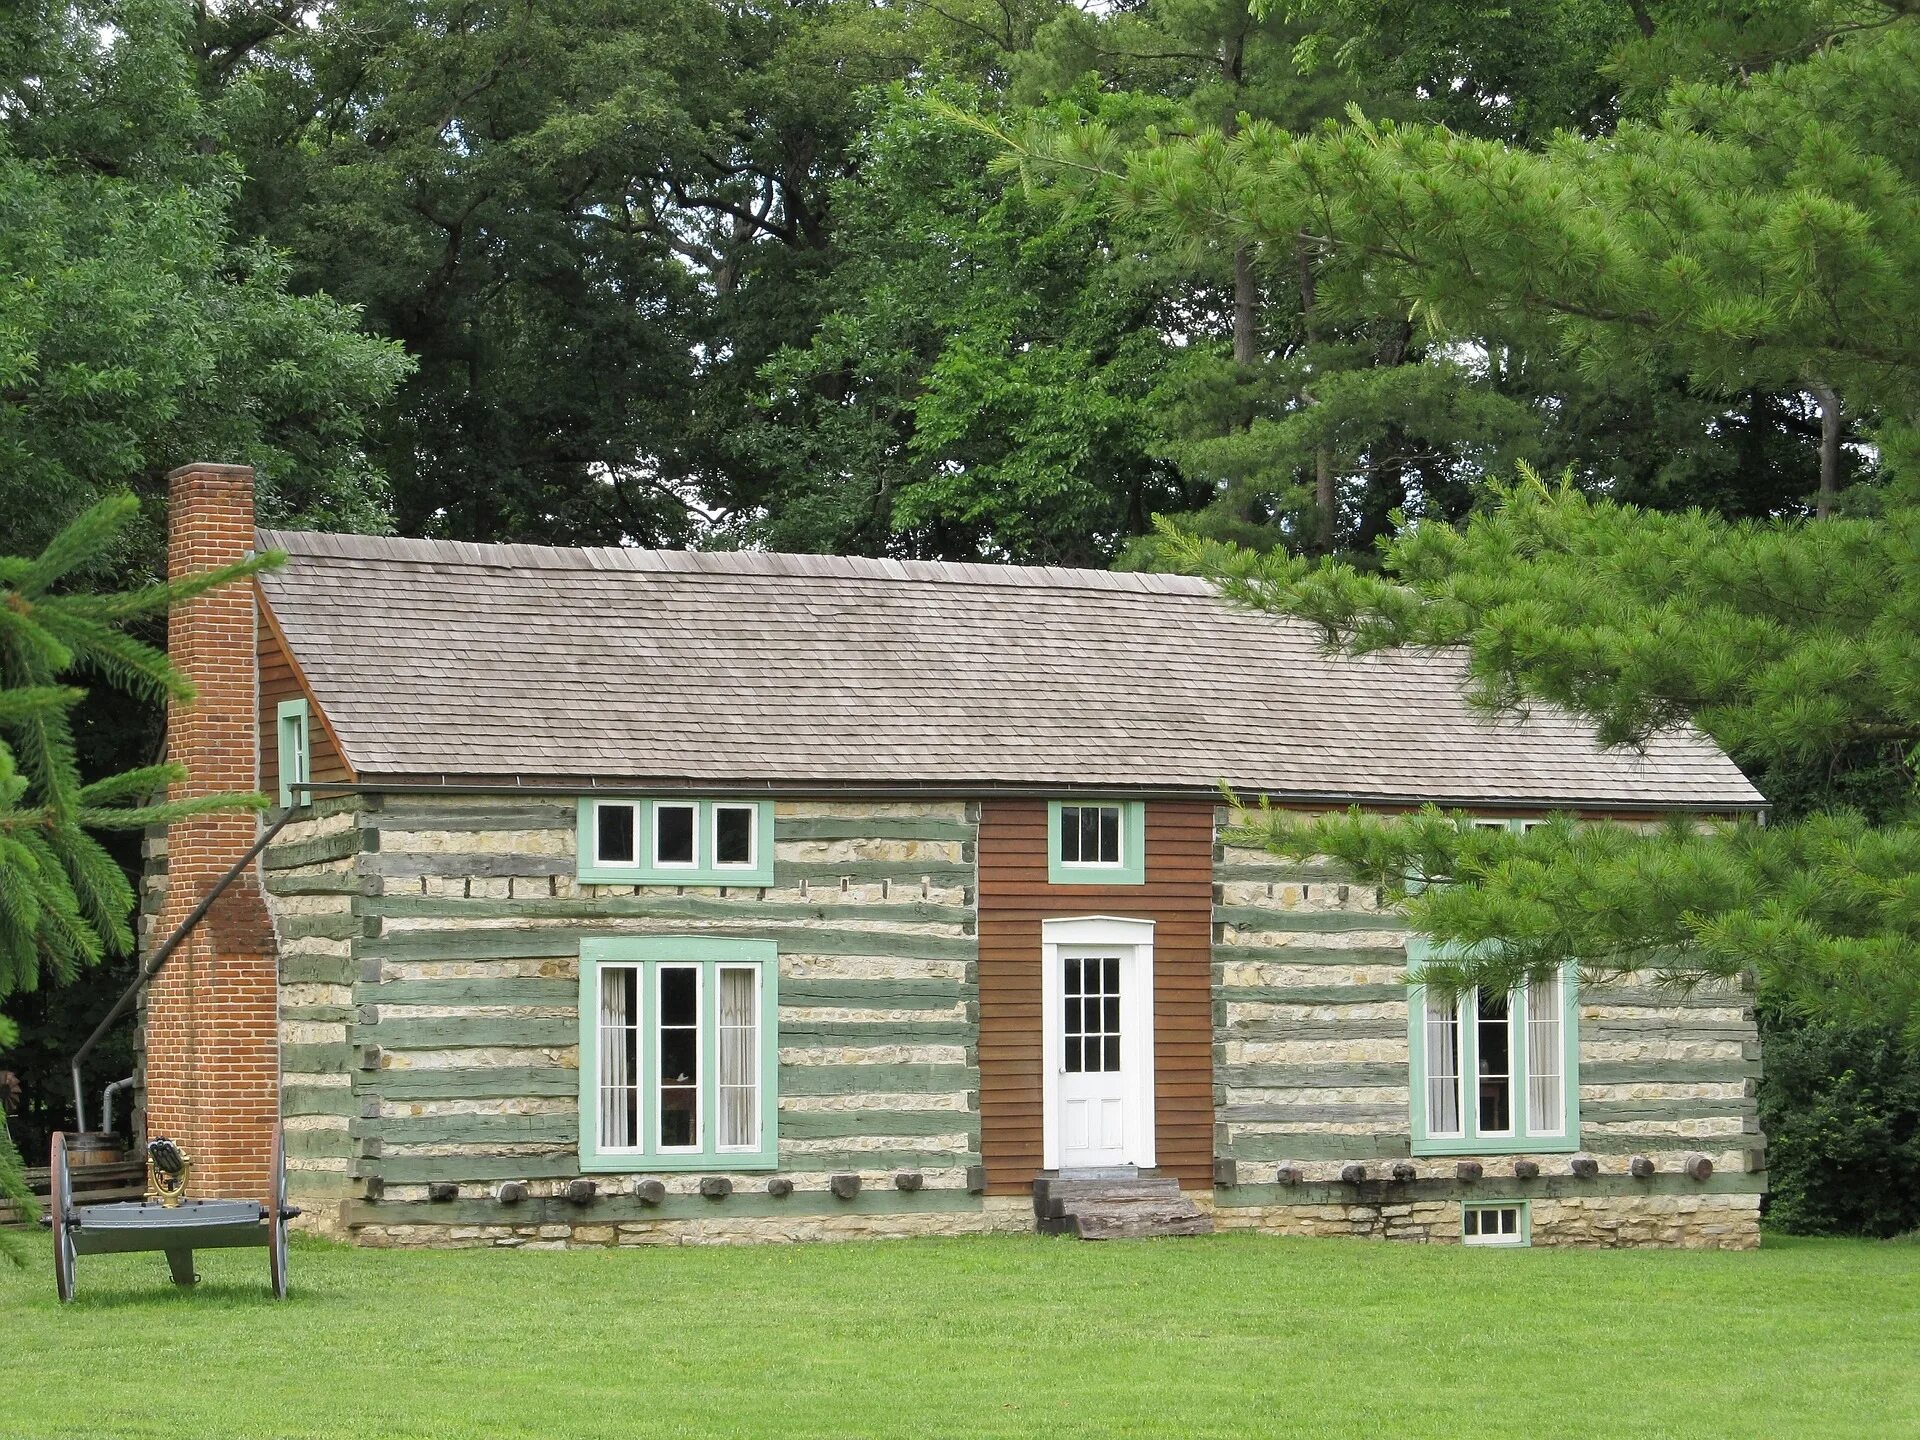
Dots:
{"x": 1314, "y": 1076}
{"x": 279, "y": 682}
{"x": 443, "y": 943}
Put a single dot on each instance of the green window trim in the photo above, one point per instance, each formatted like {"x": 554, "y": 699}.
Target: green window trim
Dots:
{"x": 293, "y": 737}
{"x": 648, "y": 954}
{"x": 643, "y": 870}
{"x": 1471, "y": 1142}
{"x": 1132, "y": 869}
{"x": 1498, "y": 1203}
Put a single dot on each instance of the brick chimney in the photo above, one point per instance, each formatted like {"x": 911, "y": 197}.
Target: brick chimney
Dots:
{"x": 212, "y": 1052}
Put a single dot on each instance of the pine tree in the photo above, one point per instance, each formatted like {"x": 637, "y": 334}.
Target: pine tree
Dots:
{"x": 64, "y": 902}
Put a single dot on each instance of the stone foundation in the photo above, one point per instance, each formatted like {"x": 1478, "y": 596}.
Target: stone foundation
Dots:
{"x": 1691, "y": 1222}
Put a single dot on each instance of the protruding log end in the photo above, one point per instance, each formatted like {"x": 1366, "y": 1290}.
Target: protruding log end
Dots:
{"x": 1696, "y": 1167}
{"x": 1403, "y": 1173}
{"x": 580, "y": 1192}
{"x": 442, "y": 1190}
{"x": 1468, "y": 1170}
{"x": 909, "y": 1181}
{"x": 715, "y": 1187}
{"x": 1353, "y": 1174}
{"x": 1640, "y": 1167}
{"x": 650, "y": 1192}
{"x": 779, "y": 1187}
{"x": 844, "y": 1187}
{"x": 1526, "y": 1169}
{"x": 1584, "y": 1167}
{"x": 510, "y": 1192}
{"x": 1290, "y": 1175}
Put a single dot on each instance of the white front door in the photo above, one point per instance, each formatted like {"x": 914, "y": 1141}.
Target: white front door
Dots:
{"x": 1094, "y": 999}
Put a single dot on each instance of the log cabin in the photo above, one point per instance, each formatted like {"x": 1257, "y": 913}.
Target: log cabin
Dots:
{"x": 631, "y": 897}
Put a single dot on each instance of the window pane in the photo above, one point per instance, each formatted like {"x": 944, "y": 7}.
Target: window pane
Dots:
{"x": 739, "y": 1057}
{"x": 1112, "y": 966}
{"x": 673, "y": 834}
{"x": 1090, "y": 834}
{"x": 1443, "y": 1065}
{"x": 1470, "y": 1222}
{"x": 1109, "y": 834}
{"x": 613, "y": 826}
{"x": 619, "y": 1044}
{"x": 733, "y": 835}
{"x": 679, "y": 1056}
{"x": 1073, "y": 976}
{"x": 1495, "y": 1079}
{"x": 1546, "y": 1088}
{"x": 1070, "y": 834}
{"x": 1113, "y": 1055}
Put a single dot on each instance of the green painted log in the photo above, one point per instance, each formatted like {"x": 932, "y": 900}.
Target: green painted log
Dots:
{"x": 536, "y": 942}
{"x": 471, "y": 1129}
{"x": 297, "y": 1099}
{"x": 317, "y": 970}
{"x": 1300, "y": 1030}
{"x": 1305, "y": 922}
{"x": 473, "y": 990}
{"x": 897, "y": 1032}
{"x": 743, "y": 1203}
{"x": 318, "y": 1144}
{"x": 351, "y": 926}
{"x": 324, "y": 882}
{"x": 1314, "y": 1145}
{"x": 875, "y": 994}
{"x": 1492, "y": 1187}
{"x": 850, "y": 1124}
{"x": 476, "y": 1082}
{"x": 1671, "y": 1072}
{"x": 423, "y": 1169}
{"x": 877, "y": 1079}
{"x": 1371, "y": 956}
{"x": 1281, "y": 872}
{"x": 870, "y": 827}
{"x": 395, "y": 1032}
{"x": 321, "y": 850}
{"x": 333, "y": 1014}
{"x": 1654, "y": 998}
{"x": 1677, "y": 1029}
{"x": 662, "y": 907}
{"x": 1344, "y": 1074}
{"x": 1630, "y": 1112}
{"x": 315, "y": 1059}
{"x": 788, "y": 873}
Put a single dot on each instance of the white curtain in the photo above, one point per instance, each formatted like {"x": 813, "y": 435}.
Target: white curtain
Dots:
{"x": 1443, "y": 1065}
{"x": 618, "y": 1042}
{"x": 739, "y": 1057}
{"x": 1546, "y": 1092}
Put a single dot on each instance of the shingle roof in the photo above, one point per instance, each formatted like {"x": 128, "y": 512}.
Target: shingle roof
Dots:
{"x": 436, "y": 658}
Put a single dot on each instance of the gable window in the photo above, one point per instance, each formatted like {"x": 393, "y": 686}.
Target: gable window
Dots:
{"x": 675, "y": 841}
{"x": 677, "y": 1053}
{"x": 1504, "y": 1222}
{"x": 1493, "y": 1072}
{"x": 293, "y": 751}
{"x": 1096, "y": 842}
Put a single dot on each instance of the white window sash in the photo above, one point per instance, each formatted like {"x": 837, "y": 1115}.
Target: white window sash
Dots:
{"x": 632, "y": 857}
{"x": 1444, "y": 1038}
{"x": 752, "y": 862}
{"x": 693, "y": 829}
{"x": 657, "y": 1080}
{"x": 615, "y": 1090}
{"x": 1545, "y": 1042}
{"x": 1119, "y": 860}
{"x": 737, "y": 1053}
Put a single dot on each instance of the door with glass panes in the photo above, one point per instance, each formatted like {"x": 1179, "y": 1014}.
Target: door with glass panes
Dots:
{"x": 1095, "y": 1010}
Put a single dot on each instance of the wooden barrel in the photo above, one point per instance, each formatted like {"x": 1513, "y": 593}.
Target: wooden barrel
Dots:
{"x": 94, "y": 1147}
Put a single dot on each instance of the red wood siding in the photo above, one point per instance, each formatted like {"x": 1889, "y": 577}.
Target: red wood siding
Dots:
{"x": 1015, "y": 897}
{"x": 280, "y": 680}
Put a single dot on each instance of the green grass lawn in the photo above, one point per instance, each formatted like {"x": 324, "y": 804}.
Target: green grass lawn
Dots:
{"x": 1013, "y": 1336}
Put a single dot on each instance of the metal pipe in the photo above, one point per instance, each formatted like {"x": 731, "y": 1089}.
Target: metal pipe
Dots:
{"x": 160, "y": 958}
{"x": 106, "y": 1103}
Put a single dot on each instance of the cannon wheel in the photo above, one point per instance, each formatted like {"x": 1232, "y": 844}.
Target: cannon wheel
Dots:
{"x": 61, "y": 1201}
{"x": 277, "y": 1220}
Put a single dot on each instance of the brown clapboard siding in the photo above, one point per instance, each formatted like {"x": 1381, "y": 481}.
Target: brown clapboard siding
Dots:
{"x": 280, "y": 680}
{"x": 1014, "y": 897}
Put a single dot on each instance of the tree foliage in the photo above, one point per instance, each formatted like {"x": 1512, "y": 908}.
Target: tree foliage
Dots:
{"x": 65, "y": 903}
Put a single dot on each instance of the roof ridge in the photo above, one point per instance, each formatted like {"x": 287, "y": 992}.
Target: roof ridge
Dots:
{"x": 508, "y": 556}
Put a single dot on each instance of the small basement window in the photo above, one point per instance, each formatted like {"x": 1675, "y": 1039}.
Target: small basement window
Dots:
{"x": 1096, "y": 842}
{"x": 675, "y": 842}
{"x": 1501, "y": 1223}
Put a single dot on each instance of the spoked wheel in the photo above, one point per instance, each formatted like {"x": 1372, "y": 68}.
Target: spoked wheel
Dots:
{"x": 277, "y": 1220}
{"x": 62, "y": 1201}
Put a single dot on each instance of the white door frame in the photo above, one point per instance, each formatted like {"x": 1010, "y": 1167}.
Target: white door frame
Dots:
{"x": 1136, "y": 1041}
